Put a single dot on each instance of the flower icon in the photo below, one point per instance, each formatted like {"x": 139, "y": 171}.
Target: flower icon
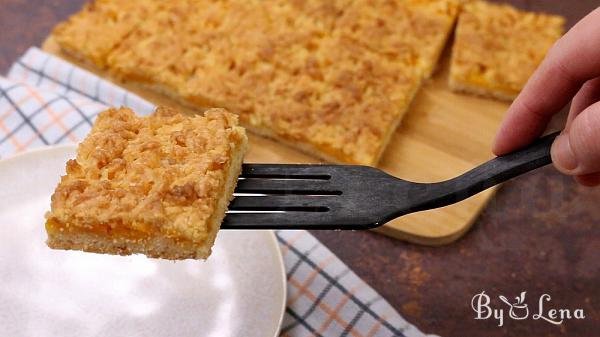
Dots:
{"x": 519, "y": 309}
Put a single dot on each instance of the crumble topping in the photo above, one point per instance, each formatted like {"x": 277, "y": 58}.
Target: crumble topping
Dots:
{"x": 158, "y": 174}
{"x": 335, "y": 75}
{"x": 498, "y": 47}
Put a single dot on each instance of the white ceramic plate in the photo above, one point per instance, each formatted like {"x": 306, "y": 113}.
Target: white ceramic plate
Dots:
{"x": 238, "y": 291}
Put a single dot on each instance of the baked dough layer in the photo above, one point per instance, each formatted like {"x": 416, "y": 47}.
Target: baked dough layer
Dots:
{"x": 497, "y": 48}
{"x": 332, "y": 78}
{"x": 156, "y": 185}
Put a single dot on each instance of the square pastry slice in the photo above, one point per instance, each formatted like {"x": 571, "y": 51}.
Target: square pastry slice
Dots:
{"x": 418, "y": 28}
{"x": 156, "y": 185}
{"x": 100, "y": 26}
{"x": 498, "y": 47}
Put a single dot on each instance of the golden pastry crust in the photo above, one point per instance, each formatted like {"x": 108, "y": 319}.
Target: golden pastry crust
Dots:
{"x": 323, "y": 75}
{"x": 498, "y": 47}
{"x": 100, "y": 26}
{"x": 333, "y": 78}
{"x": 147, "y": 181}
{"x": 417, "y": 29}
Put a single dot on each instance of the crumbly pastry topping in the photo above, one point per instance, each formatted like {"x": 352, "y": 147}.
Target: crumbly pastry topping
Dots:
{"x": 336, "y": 74}
{"x": 101, "y": 26}
{"x": 161, "y": 174}
{"x": 497, "y": 47}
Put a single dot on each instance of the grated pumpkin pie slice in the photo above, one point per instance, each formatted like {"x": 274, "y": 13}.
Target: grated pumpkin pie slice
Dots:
{"x": 156, "y": 185}
{"x": 397, "y": 28}
{"x": 331, "y": 78}
{"x": 498, "y": 47}
{"x": 100, "y": 26}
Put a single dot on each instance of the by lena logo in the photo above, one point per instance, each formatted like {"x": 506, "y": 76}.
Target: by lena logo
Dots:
{"x": 519, "y": 310}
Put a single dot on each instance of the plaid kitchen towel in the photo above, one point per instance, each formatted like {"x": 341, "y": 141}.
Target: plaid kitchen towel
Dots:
{"x": 46, "y": 101}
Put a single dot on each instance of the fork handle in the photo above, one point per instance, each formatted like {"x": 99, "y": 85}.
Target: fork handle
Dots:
{"x": 491, "y": 173}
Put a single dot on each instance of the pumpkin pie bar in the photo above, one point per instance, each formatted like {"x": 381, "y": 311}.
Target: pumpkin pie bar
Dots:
{"x": 399, "y": 28}
{"x": 156, "y": 185}
{"x": 100, "y": 26}
{"x": 332, "y": 78}
{"x": 497, "y": 48}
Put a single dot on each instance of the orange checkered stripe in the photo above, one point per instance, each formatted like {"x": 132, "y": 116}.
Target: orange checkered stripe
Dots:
{"x": 47, "y": 101}
{"x": 325, "y": 298}
{"x": 30, "y": 118}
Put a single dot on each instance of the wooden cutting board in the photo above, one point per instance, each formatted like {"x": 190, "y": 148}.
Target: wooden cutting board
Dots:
{"x": 443, "y": 135}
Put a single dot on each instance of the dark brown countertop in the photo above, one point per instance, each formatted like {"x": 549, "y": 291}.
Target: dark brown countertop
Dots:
{"x": 541, "y": 234}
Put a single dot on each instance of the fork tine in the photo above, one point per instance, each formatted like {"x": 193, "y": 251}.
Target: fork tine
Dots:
{"x": 271, "y": 220}
{"x": 286, "y": 171}
{"x": 285, "y": 186}
{"x": 307, "y": 197}
{"x": 282, "y": 202}
{"x": 287, "y": 220}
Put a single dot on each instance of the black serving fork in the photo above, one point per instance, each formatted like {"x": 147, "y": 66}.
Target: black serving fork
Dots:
{"x": 282, "y": 196}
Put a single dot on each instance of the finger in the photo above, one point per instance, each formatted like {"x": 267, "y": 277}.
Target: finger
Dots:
{"x": 573, "y": 60}
{"x": 587, "y": 95}
{"x": 589, "y": 180}
{"x": 577, "y": 150}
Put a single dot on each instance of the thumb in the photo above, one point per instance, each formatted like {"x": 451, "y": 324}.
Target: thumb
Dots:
{"x": 577, "y": 150}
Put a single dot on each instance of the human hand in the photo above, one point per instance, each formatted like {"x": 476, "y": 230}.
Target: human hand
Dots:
{"x": 570, "y": 71}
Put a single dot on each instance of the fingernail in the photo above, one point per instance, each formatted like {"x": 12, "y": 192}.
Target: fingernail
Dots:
{"x": 562, "y": 154}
